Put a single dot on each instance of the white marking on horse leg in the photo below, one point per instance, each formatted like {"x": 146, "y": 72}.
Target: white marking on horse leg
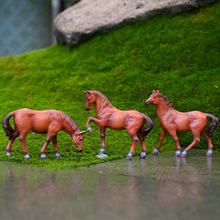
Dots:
{"x": 8, "y": 154}
{"x": 102, "y": 150}
{"x": 143, "y": 154}
{"x": 155, "y": 151}
{"x": 130, "y": 154}
{"x": 57, "y": 155}
{"x": 89, "y": 129}
{"x": 178, "y": 152}
{"x": 184, "y": 153}
{"x": 43, "y": 156}
{"x": 209, "y": 153}
{"x": 26, "y": 156}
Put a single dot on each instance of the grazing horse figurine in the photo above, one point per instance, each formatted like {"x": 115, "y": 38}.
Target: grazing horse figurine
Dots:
{"x": 49, "y": 121}
{"x": 111, "y": 117}
{"x": 172, "y": 121}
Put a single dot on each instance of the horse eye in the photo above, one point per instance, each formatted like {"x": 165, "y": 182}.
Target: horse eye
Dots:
{"x": 80, "y": 139}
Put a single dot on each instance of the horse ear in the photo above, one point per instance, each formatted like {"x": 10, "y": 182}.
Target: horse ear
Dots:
{"x": 81, "y": 132}
{"x": 158, "y": 92}
{"x": 153, "y": 91}
{"x": 89, "y": 92}
{"x": 85, "y": 92}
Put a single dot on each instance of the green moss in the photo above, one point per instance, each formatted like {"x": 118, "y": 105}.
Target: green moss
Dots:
{"x": 179, "y": 55}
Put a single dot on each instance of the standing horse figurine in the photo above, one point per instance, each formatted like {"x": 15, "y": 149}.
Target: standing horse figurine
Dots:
{"x": 49, "y": 121}
{"x": 172, "y": 121}
{"x": 111, "y": 117}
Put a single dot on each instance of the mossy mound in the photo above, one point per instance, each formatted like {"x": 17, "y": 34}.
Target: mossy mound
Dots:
{"x": 178, "y": 55}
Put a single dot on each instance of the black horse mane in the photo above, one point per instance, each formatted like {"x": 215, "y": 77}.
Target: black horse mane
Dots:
{"x": 166, "y": 100}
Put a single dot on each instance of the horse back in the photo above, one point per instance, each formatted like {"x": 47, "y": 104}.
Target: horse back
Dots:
{"x": 37, "y": 121}
{"x": 120, "y": 119}
{"x": 184, "y": 121}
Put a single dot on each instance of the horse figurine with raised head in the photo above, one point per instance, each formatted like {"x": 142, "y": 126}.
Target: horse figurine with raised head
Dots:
{"x": 172, "y": 121}
{"x": 49, "y": 121}
{"x": 110, "y": 117}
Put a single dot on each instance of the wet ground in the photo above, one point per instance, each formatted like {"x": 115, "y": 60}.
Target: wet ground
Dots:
{"x": 159, "y": 187}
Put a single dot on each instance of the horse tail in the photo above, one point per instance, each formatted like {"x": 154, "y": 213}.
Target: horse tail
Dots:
{"x": 212, "y": 126}
{"x": 6, "y": 125}
{"x": 148, "y": 128}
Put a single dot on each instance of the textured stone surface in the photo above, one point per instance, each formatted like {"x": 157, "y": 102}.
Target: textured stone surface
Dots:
{"x": 90, "y": 16}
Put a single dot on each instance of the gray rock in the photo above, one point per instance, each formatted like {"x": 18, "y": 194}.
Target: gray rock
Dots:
{"x": 101, "y": 156}
{"x": 89, "y": 16}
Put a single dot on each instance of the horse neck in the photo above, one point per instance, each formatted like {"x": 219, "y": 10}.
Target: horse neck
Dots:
{"x": 100, "y": 104}
{"x": 69, "y": 127}
{"x": 162, "y": 108}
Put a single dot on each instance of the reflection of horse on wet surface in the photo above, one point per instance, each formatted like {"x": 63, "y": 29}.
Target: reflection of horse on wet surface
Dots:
{"x": 49, "y": 121}
{"x": 110, "y": 117}
{"x": 172, "y": 121}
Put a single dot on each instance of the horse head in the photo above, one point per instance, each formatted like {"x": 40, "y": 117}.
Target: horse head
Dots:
{"x": 78, "y": 140}
{"x": 153, "y": 99}
{"x": 90, "y": 98}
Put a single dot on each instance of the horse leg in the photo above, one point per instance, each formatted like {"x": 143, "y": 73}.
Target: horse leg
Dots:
{"x": 196, "y": 140}
{"x": 143, "y": 147}
{"x": 55, "y": 148}
{"x": 162, "y": 136}
{"x": 99, "y": 122}
{"x": 43, "y": 149}
{"x": 8, "y": 148}
{"x": 175, "y": 138}
{"x": 102, "y": 134}
{"x": 22, "y": 139}
{"x": 133, "y": 146}
{"x": 208, "y": 140}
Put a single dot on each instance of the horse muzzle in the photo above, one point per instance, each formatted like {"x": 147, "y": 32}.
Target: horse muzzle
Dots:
{"x": 146, "y": 102}
{"x": 87, "y": 108}
{"x": 79, "y": 149}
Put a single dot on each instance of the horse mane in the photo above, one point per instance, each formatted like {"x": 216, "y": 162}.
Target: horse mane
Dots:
{"x": 69, "y": 121}
{"x": 166, "y": 100}
{"x": 103, "y": 97}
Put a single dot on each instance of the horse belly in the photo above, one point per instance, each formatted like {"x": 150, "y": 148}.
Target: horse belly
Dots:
{"x": 183, "y": 124}
{"x": 40, "y": 124}
{"x": 116, "y": 122}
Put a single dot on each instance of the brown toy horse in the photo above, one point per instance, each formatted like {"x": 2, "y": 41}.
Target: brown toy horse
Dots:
{"x": 111, "y": 117}
{"x": 172, "y": 121}
{"x": 50, "y": 122}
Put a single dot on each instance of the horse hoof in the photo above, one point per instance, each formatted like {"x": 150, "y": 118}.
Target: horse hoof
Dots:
{"x": 183, "y": 155}
{"x": 8, "y": 154}
{"x": 178, "y": 155}
{"x": 208, "y": 155}
{"x": 142, "y": 157}
{"x": 57, "y": 155}
{"x": 154, "y": 153}
{"x": 89, "y": 129}
{"x": 43, "y": 157}
{"x": 128, "y": 158}
{"x": 26, "y": 156}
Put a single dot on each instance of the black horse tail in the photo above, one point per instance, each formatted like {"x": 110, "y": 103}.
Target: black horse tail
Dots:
{"x": 6, "y": 125}
{"x": 148, "y": 128}
{"x": 212, "y": 126}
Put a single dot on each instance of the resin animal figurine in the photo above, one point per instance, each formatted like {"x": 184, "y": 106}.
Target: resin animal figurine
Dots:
{"x": 172, "y": 121}
{"x": 49, "y": 121}
{"x": 110, "y": 117}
